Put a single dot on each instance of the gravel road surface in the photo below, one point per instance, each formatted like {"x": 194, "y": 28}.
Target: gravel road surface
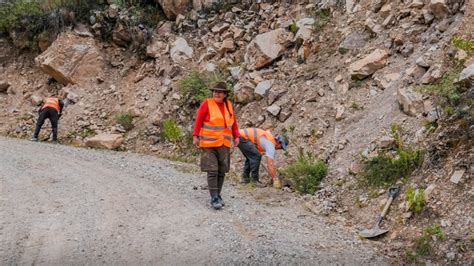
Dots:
{"x": 65, "y": 205}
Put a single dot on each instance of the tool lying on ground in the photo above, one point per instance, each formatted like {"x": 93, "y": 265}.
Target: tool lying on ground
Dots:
{"x": 376, "y": 231}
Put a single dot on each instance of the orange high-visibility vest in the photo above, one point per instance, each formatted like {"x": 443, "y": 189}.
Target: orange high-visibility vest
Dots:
{"x": 215, "y": 132}
{"x": 254, "y": 134}
{"x": 51, "y": 102}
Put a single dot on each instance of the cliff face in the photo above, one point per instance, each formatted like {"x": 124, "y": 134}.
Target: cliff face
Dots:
{"x": 332, "y": 76}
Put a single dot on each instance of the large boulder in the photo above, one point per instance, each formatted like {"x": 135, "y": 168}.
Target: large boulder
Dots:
{"x": 439, "y": 8}
{"x": 466, "y": 78}
{"x": 105, "y": 141}
{"x": 368, "y": 65}
{"x": 411, "y": 102}
{"x": 266, "y": 48}
{"x": 180, "y": 50}
{"x": 72, "y": 59}
{"x": 173, "y": 8}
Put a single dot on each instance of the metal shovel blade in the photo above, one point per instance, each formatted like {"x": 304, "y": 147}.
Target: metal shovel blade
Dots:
{"x": 374, "y": 232}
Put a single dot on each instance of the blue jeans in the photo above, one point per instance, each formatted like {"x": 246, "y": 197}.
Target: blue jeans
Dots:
{"x": 252, "y": 160}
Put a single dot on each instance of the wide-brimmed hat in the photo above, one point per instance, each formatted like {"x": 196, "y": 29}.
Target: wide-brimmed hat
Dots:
{"x": 221, "y": 86}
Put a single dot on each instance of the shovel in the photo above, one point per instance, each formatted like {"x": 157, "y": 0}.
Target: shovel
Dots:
{"x": 376, "y": 231}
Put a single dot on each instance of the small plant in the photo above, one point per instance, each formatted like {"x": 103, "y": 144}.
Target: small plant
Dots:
{"x": 466, "y": 45}
{"x": 321, "y": 18}
{"x": 430, "y": 125}
{"x": 306, "y": 173}
{"x": 356, "y": 106}
{"x": 171, "y": 131}
{"x": 87, "y": 132}
{"x": 294, "y": 28}
{"x": 356, "y": 83}
{"x": 395, "y": 132}
{"x": 445, "y": 87}
{"x": 416, "y": 199}
{"x": 125, "y": 120}
{"x": 422, "y": 245}
{"x": 292, "y": 128}
{"x": 195, "y": 86}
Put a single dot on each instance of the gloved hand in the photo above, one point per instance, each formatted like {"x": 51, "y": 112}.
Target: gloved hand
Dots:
{"x": 277, "y": 183}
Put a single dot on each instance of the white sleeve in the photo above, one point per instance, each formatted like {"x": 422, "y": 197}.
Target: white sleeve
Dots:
{"x": 268, "y": 147}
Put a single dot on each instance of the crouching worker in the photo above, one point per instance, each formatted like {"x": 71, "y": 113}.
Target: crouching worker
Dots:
{"x": 254, "y": 142}
{"x": 215, "y": 130}
{"x": 51, "y": 108}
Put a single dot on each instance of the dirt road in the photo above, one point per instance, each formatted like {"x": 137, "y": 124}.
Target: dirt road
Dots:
{"x": 64, "y": 205}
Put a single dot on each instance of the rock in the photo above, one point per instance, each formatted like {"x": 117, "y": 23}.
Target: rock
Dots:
{"x": 105, "y": 141}
{"x": 121, "y": 35}
{"x": 72, "y": 60}
{"x": 235, "y": 71}
{"x": 385, "y": 10}
{"x": 386, "y": 141}
{"x": 450, "y": 256}
{"x": 355, "y": 40}
{"x": 4, "y": 86}
{"x": 429, "y": 191}
{"x": 410, "y": 101}
{"x": 156, "y": 48}
{"x": 274, "y": 109}
{"x": 367, "y": 66}
{"x": 355, "y": 168}
{"x": 439, "y": 8}
{"x": 219, "y": 29}
{"x": 71, "y": 93}
{"x": 36, "y": 100}
{"x": 457, "y": 175}
{"x": 466, "y": 78}
{"x": 172, "y": 8}
{"x": 372, "y": 26}
{"x": 339, "y": 112}
{"x": 244, "y": 92}
{"x": 180, "y": 50}
{"x": 263, "y": 87}
{"x": 303, "y": 34}
{"x": 227, "y": 45}
{"x": 417, "y": 4}
{"x": 407, "y": 49}
{"x": 265, "y": 48}
{"x": 432, "y": 75}
{"x": 387, "y": 80}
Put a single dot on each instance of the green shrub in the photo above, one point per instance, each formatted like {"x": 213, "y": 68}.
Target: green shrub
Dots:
{"x": 195, "y": 86}
{"x": 416, "y": 199}
{"x": 171, "y": 131}
{"x": 356, "y": 106}
{"x": 445, "y": 87}
{"x": 386, "y": 170}
{"x": 422, "y": 245}
{"x": 306, "y": 173}
{"x": 125, "y": 120}
{"x": 466, "y": 45}
{"x": 20, "y": 14}
{"x": 322, "y": 18}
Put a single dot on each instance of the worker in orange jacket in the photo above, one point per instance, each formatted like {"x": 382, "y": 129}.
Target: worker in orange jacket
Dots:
{"x": 51, "y": 108}
{"x": 253, "y": 143}
{"x": 215, "y": 130}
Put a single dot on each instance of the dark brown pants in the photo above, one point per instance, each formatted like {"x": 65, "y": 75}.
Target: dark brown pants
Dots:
{"x": 216, "y": 162}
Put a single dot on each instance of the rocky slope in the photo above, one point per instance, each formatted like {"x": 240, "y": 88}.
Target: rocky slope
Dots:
{"x": 334, "y": 75}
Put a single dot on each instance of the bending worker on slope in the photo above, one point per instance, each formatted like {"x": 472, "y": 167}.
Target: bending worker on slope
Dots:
{"x": 51, "y": 108}
{"x": 254, "y": 142}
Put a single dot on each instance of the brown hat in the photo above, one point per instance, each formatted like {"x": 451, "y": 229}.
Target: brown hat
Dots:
{"x": 221, "y": 86}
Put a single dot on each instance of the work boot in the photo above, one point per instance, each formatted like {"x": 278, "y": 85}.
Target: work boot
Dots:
{"x": 216, "y": 203}
{"x": 221, "y": 200}
{"x": 34, "y": 139}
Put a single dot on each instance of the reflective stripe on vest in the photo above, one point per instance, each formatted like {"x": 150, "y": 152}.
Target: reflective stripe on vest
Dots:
{"x": 255, "y": 134}
{"x": 215, "y": 132}
{"x": 51, "y": 102}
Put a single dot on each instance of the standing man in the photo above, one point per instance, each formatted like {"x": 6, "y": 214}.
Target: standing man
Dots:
{"x": 215, "y": 129}
{"x": 51, "y": 108}
{"x": 254, "y": 142}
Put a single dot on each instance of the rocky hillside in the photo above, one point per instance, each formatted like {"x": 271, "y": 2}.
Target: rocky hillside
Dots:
{"x": 345, "y": 80}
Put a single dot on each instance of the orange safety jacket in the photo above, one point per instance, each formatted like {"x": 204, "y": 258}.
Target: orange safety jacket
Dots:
{"x": 255, "y": 134}
{"x": 51, "y": 102}
{"x": 215, "y": 132}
